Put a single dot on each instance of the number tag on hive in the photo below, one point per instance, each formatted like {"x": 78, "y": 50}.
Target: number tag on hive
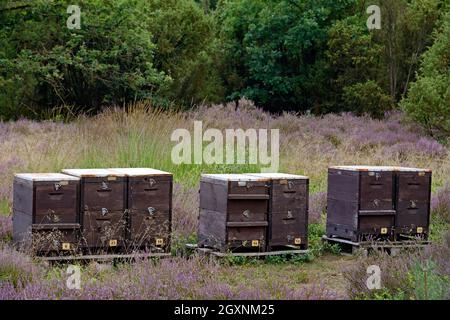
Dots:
{"x": 298, "y": 241}
{"x": 255, "y": 243}
{"x": 242, "y": 183}
{"x": 112, "y": 178}
{"x": 113, "y": 243}
{"x": 419, "y": 229}
{"x": 159, "y": 241}
{"x": 283, "y": 181}
{"x": 63, "y": 183}
{"x": 66, "y": 246}
{"x": 421, "y": 174}
{"x": 384, "y": 230}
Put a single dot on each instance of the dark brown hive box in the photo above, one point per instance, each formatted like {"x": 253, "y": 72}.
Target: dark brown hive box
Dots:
{"x": 412, "y": 202}
{"x": 46, "y": 211}
{"x": 367, "y": 201}
{"x": 288, "y": 210}
{"x": 149, "y": 203}
{"x": 360, "y": 202}
{"x": 233, "y": 212}
{"x": 103, "y": 205}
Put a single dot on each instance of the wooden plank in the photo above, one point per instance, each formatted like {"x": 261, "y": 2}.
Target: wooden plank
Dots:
{"x": 248, "y": 224}
{"x": 257, "y": 254}
{"x": 248, "y": 196}
{"x": 106, "y": 257}
{"x": 380, "y": 244}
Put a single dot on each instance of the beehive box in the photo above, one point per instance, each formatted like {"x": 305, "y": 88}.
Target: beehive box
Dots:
{"x": 149, "y": 203}
{"x": 412, "y": 202}
{"x": 46, "y": 212}
{"x": 103, "y": 205}
{"x": 288, "y": 210}
{"x": 360, "y": 204}
{"x": 233, "y": 212}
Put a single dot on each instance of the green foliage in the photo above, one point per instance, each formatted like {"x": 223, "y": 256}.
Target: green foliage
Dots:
{"x": 125, "y": 51}
{"x": 367, "y": 98}
{"x": 428, "y": 283}
{"x": 273, "y": 49}
{"x": 428, "y": 100}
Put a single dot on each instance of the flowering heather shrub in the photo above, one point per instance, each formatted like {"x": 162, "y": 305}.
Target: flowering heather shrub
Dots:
{"x": 16, "y": 269}
{"x": 195, "y": 278}
{"x": 5, "y": 228}
{"x": 440, "y": 203}
{"x": 317, "y": 206}
{"x": 402, "y": 276}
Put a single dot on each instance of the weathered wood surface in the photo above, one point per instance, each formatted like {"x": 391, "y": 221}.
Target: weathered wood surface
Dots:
{"x": 210, "y": 251}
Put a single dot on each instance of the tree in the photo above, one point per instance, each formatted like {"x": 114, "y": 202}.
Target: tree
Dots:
{"x": 274, "y": 49}
{"x": 428, "y": 99}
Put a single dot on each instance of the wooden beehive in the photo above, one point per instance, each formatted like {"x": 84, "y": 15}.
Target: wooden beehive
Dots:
{"x": 360, "y": 204}
{"x": 46, "y": 212}
{"x": 233, "y": 212}
{"x": 149, "y": 203}
{"x": 288, "y": 210}
{"x": 103, "y": 206}
{"x": 412, "y": 202}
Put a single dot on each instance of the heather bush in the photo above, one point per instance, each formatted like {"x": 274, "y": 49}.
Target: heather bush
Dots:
{"x": 15, "y": 269}
{"x": 409, "y": 275}
{"x": 5, "y": 228}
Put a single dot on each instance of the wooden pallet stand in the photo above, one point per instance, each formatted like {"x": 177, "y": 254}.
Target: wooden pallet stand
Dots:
{"x": 393, "y": 247}
{"x": 105, "y": 257}
{"x": 213, "y": 252}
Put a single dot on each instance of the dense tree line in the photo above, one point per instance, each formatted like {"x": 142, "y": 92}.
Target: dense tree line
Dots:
{"x": 301, "y": 55}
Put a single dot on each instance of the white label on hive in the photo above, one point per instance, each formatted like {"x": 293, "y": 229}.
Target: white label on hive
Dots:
{"x": 242, "y": 183}
{"x": 419, "y": 229}
{"x": 384, "y": 230}
{"x": 255, "y": 243}
{"x": 112, "y": 178}
{"x": 113, "y": 243}
{"x": 63, "y": 183}
{"x": 298, "y": 241}
{"x": 159, "y": 241}
{"x": 66, "y": 246}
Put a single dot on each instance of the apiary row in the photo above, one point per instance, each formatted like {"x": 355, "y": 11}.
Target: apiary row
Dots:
{"x": 131, "y": 209}
{"x": 369, "y": 203}
{"x": 93, "y": 209}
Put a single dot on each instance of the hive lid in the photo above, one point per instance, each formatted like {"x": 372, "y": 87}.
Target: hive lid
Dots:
{"x": 46, "y": 177}
{"x": 93, "y": 173}
{"x": 379, "y": 168}
{"x": 231, "y": 177}
{"x": 140, "y": 172}
{"x": 284, "y": 176}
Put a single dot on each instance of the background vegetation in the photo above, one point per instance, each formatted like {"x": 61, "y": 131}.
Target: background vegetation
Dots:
{"x": 303, "y": 55}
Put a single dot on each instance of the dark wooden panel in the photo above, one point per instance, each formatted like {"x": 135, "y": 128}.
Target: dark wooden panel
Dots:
{"x": 211, "y": 228}
{"x": 55, "y": 240}
{"x": 22, "y": 223}
{"x": 343, "y": 185}
{"x": 151, "y": 193}
{"x": 246, "y": 233}
{"x": 342, "y": 213}
{"x": 22, "y": 197}
{"x": 103, "y": 194}
{"x": 374, "y": 224}
{"x": 412, "y": 186}
{"x": 64, "y": 200}
{"x": 247, "y": 210}
{"x": 377, "y": 190}
{"x": 99, "y": 229}
{"x": 213, "y": 196}
{"x": 249, "y": 187}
